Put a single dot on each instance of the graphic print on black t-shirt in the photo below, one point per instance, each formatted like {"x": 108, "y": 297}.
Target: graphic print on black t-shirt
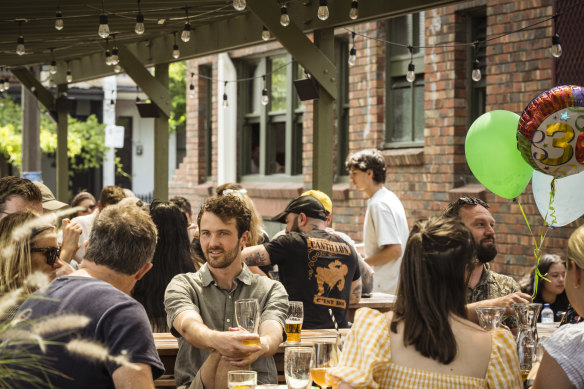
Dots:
{"x": 330, "y": 277}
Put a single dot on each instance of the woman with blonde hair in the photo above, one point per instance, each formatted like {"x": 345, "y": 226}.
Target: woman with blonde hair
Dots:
{"x": 563, "y": 360}
{"x": 427, "y": 341}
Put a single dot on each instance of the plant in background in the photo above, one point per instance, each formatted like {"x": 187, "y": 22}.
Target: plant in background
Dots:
{"x": 177, "y": 87}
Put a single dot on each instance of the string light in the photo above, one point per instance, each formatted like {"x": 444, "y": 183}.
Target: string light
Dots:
{"x": 112, "y": 105}
{"x": 411, "y": 74}
{"x": 239, "y": 5}
{"x": 556, "y": 46}
{"x": 69, "y": 77}
{"x": 53, "y": 67}
{"x": 353, "y": 52}
{"x": 265, "y": 33}
{"x": 7, "y": 81}
{"x": 284, "y": 17}
{"x": 108, "y": 54}
{"x": 137, "y": 94}
{"x": 225, "y": 102}
{"x": 354, "y": 11}
{"x": 476, "y": 66}
{"x": 323, "y": 11}
{"x": 103, "y": 30}
{"x": 192, "y": 87}
{"x": 117, "y": 68}
{"x": 115, "y": 59}
{"x": 59, "y": 20}
{"x": 185, "y": 36}
{"x": 20, "y": 40}
{"x": 265, "y": 98}
{"x": 175, "y": 50}
{"x": 139, "y": 29}
{"x": 1, "y": 80}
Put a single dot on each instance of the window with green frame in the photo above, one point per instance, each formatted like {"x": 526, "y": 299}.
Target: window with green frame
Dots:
{"x": 404, "y": 105}
{"x": 271, "y": 141}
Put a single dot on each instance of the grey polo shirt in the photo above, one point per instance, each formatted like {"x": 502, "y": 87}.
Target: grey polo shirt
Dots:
{"x": 199, "y": 292}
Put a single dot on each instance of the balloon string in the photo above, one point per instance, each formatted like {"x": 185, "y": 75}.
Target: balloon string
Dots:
{"x": 537, "y": 250}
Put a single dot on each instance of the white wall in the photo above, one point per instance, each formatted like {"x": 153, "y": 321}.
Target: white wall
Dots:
{"x": 143, "y": 135}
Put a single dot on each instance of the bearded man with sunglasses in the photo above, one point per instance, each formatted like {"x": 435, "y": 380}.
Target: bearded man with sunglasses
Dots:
{"x": 485, "y": 287}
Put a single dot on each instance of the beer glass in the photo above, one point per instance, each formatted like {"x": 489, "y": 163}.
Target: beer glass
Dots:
{"x": 326, "y": 356}
{"x": 490, "y": 317}
{"x": 242, "y": 379}
{"x": 297, "y": 364}
{"x": 294, "y": 321}
{"x": 247, "y": 316}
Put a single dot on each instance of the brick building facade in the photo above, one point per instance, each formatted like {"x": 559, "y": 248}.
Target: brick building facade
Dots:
{"x": 427, "y": 170}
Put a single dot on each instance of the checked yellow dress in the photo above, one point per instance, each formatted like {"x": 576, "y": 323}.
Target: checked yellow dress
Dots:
{"x": 366, "y": 361}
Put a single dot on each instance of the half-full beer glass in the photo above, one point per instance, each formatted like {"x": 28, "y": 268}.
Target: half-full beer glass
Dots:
{"x": 247, "y": 316}
{"x": 242, "y": 379}
{"x": 294, "y": 321}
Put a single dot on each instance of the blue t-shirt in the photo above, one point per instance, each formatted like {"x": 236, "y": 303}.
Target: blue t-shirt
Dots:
{"x": 118, "y": 322}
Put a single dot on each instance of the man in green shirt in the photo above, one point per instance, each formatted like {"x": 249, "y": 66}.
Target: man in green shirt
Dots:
{"x": 200, "y": 306}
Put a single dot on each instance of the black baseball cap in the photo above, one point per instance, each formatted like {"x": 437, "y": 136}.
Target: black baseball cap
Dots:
{"x": 308, "y": 205}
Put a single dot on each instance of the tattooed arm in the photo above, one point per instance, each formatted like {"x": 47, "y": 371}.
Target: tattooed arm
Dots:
{"x": 256, "y": 256}
{"x": 355, "y": 292}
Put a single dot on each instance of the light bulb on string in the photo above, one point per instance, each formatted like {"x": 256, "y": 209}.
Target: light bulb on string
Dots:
{"x": 556, "y": 46}
{"x": 323, "y": 11}
{"x": 52, "y": 82}
{"x": 411, "y": 74}
{"x": 20, "y": 45}
{"x": 69, "y": 76}
{"x": 115, "y": 59}
{"x": 284, "y": 17}
{"x": 225, "y": 102}
{"x": 239, "y": 5}
{"x": 265, "y": 97}
{"x": 59, "y": 20}
{"x": 175, "y": 50}
{"x": 353, "y": 52}
{"x": 265, "y": 33}
{"x": 53, "y": 67}
{"x": 354, "y": 11}
{"x": 117, "y": 68}
{"x": 1, "y": 81}
{"x": 185, "y": 36}
{"x": 192, "y": 87}
{"x": 103, "y": 29}
{"x": 6, "y": 83}
{"x": 112, "y": 105}
{"x": 139, "y": 28}
{"x": 476, "y": 71}
{"x": 108, "y": 53}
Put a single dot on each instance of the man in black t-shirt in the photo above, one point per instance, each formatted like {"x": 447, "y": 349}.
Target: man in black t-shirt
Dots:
{"x": 316, "y": 267}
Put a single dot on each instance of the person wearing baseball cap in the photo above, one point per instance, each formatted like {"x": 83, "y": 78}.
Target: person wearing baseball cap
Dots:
{"x": 316, "y": 267}
{"x": 50, "y": 203}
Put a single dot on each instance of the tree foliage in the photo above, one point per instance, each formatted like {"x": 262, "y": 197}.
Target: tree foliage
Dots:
{"x": 177, "y": 88}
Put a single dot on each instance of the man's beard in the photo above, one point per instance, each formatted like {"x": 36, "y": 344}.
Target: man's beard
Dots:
{"x": 295, "y": 227}
{"x": 487, "y": 253}
{"x": 228, "y": 257}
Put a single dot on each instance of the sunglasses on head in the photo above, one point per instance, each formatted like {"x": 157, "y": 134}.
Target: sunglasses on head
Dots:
{"x": 471, "y": 201}
{"x": 52, "y": 253}
{"x": 239, "y": 192}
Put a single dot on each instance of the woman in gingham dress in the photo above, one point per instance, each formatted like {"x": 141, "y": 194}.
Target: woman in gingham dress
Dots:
{"x": 427, "y": 342}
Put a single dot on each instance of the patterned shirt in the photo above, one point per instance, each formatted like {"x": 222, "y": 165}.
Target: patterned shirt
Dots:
{"x": 366, "y": 361}
{"x": 494, "y": 285}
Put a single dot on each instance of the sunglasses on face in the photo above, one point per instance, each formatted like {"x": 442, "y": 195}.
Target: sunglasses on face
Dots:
{"x": 471, "y": 201}
{"x": 52, "y": 253}
{"x": 91, "y": 207}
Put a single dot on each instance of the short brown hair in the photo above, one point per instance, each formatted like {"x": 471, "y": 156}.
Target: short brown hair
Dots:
{"x": 368, "y": 159}
{"x": 123, "y": 238}
{"x": 226, "y": 208}
{"x": 16, "y": 186}
{"x": 111, "y": 195}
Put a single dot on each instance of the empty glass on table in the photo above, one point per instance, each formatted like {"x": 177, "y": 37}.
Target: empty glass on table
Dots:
{"x": 242, "y": 379}
{"x": 297, "y": 364}
{"x": 490, "y": 317}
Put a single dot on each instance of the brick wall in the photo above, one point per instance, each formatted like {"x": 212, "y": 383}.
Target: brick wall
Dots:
{"x": 426, "y": 179}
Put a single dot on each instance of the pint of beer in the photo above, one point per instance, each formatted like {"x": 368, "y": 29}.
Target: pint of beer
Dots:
{"x": 294, "y": 322}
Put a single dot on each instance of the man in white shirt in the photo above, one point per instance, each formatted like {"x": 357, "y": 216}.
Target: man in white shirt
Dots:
{"x": 385, "y": 230}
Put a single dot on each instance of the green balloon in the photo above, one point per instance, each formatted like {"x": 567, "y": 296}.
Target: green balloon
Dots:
{"x": 492, "y": 154}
